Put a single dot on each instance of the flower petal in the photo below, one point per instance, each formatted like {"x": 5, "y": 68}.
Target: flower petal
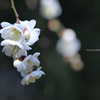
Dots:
{"x": 33, "y": 38}
{"x": 8, "y": 50}
{"x": 19, "y": 26}
{"x": 31, "y": 25}
{"x": 24, "y": 23}
{"x": 36, "y": 54}
{"x": 5, "y": 24}
{"x": 37, "y": 30}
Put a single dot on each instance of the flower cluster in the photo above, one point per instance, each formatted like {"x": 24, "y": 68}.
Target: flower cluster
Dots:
{"x": 17, "y": 41}
{"x": 68, "y": 45}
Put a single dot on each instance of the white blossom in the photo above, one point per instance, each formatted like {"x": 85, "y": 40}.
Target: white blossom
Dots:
{"x": 12, "y": 32}
{"x": 26, "y": 64}
{"x": 68, "y": 35}
{"x": 31, "y": 77}
{"x": 14, "y": 48}
{"x": 30, "y": 33}
{"x": 68, "y": 49}
{"x": 68, "y": 45}
{"x": 50, "y": 9}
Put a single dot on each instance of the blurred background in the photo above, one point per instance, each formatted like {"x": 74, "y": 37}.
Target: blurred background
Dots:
{"x": 61, "y": 80}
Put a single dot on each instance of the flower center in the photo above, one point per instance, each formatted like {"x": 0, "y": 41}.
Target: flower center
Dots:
{"x": 15, "y": 35}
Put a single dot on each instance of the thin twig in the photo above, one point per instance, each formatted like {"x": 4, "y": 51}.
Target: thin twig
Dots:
{"x": 15, "y": 11}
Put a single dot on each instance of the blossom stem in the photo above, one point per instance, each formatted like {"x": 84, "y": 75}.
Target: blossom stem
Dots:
{"x": 15, "y": 11}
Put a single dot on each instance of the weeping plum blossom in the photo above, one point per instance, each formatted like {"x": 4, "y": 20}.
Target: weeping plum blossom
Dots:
{"x": 31, "y": 77}
{"x": 30, "y": 33}
{"x": 69, "y": 35}
{"x": 12, "y": 32}
{"x": 14, "y": 49}
{"x": 26, "y": 64}
{"x": 68, "y": 45}
{"x": 50, "y": 9}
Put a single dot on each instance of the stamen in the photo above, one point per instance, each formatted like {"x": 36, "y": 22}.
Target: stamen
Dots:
{"x": 25, "y": 29}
